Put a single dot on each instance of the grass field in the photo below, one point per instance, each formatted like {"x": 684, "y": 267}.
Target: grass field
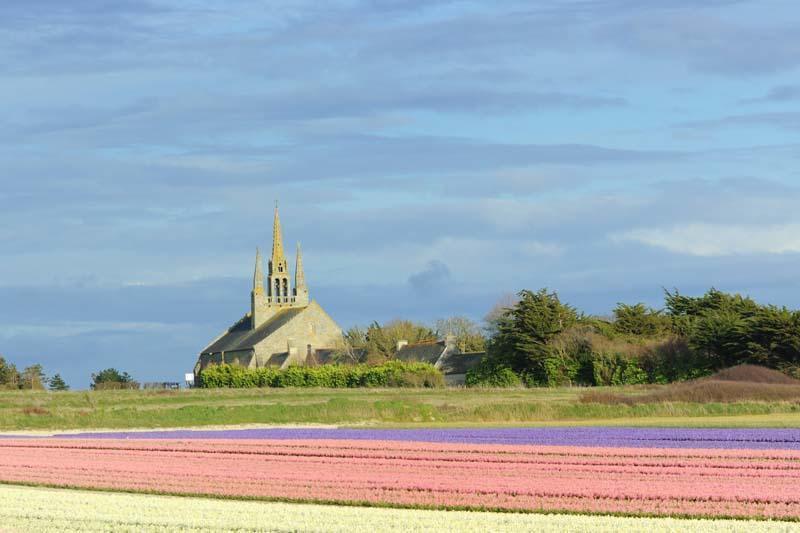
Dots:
{"x": 373, "y": 407}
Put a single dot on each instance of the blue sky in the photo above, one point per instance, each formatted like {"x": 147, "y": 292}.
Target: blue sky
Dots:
{"x": 430, "y": 156}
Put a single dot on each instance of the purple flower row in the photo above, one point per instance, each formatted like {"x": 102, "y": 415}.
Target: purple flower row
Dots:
{"x": 561, "y": 436}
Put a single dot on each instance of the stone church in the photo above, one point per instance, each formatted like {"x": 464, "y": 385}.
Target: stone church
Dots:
{"x": 284, "y": 327}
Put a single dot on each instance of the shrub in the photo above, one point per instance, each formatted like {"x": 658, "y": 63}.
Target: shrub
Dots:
{"x": 491, "y": 373}
{"x": 390, "y": 374}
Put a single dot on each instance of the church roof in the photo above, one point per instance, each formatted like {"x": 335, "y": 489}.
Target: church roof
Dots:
{"x": 423, "y": 352}
{"x": 241, "y": 337}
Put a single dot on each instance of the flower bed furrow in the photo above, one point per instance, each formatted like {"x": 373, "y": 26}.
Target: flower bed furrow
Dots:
{"x": 737, "y": 483}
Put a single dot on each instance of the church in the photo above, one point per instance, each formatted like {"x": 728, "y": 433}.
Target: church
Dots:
{"x": 283, "y": 328}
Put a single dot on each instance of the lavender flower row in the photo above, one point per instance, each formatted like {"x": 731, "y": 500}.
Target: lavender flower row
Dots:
{"x": 562, "y": 436}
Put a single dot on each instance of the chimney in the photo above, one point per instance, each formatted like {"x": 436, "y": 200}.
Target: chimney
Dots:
{"x": 401, "y": 345}
{"x": 450, "y": 341}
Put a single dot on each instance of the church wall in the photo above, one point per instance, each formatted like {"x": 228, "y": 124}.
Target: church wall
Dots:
{"x": 313, "y": 327}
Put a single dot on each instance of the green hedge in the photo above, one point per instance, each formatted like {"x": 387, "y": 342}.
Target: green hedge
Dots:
{"x": 391, "y": 374}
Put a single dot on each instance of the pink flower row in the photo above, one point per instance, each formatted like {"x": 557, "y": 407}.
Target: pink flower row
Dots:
{"x": 740, "y": 483}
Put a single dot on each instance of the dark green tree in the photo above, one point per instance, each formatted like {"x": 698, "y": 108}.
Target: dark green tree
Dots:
{"x": 57, "y": 383}
{"x": 111, "y": 376}
{"x": 640, "y": 320}
{"x": 524, "y": 331}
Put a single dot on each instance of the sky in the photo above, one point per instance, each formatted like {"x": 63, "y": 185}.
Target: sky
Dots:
{"x": 432, "y": 157}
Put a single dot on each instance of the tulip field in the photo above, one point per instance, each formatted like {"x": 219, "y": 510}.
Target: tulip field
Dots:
{"x": 742, "y": 474}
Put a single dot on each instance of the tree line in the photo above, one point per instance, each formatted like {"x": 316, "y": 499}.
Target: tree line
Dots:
{"x": 34, "y": 378}
{"x": 30, "y": 378}
{"x": 377, "y": 343}
{"x": 538, "y": 340}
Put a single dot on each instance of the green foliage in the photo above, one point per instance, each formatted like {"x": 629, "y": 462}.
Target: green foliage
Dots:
{"x": 32, "y": 378}
{"x": 9, "y": 376}
{"x": 57, "y": 383}
{"x": 725, "y": 330}
{"x": 380, "y": 341}
{"x": 111, "y": 379}
{"x": 524, "y": 331}
{"x": 640, "y": 320}
{"x": 390, "y": 374}
{"x": 491, "y": 373}
{"x": 545, "y": 342}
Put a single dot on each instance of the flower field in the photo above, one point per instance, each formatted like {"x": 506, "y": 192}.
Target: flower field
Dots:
{"x": 42, "y": 510}
{"x": 654, "y": 472}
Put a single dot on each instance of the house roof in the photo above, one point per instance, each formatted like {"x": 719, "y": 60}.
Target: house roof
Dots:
{"x": 423, "y": 352}
{"x": 241, "y": 337}
{"x": 460, "y": 363}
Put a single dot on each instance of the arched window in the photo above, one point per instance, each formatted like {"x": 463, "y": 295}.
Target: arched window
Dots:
{"x": 285, "y": 289}
{"x": 277, "y": 289}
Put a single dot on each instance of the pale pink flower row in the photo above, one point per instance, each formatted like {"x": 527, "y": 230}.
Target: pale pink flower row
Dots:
{"x": 738, "y": 483}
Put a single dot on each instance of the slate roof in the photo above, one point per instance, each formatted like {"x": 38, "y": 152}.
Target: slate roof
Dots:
{"x": 241, "y": 337}
{"x": 423, "y": 352}
{"x": 460, "y": 363}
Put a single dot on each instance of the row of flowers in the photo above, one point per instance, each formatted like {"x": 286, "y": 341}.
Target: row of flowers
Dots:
{"x": 36, "y": 509}
{"x": 716, "y": 483}
{"x": 561, "y": 436}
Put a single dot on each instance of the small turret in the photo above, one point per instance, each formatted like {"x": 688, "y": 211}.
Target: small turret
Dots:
{"x": 300, "y": 287}
{"x": 258, "y": 301}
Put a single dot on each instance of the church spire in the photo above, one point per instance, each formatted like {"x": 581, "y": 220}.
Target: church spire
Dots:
{"x": 277, "y": 238}
{"x": 279, "y": 284}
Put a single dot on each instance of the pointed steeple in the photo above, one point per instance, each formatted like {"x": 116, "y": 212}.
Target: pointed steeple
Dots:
{"x": 258, "y": 301}
{"x": 300, "y": 288}
{"x": 279, "y": 284}
{"x": 277, "y": 238}
{"x": 258, "y": 275}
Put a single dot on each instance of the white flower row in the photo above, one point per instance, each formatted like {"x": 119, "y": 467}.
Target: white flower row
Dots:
{"x": 42, "y": 509}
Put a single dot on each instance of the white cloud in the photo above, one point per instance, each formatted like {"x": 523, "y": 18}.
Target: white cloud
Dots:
{"x": 714, "y": 240}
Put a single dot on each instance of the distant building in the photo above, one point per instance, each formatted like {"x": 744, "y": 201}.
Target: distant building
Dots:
{"x": 442, "y": 354}
{"x": 284, "y": 327}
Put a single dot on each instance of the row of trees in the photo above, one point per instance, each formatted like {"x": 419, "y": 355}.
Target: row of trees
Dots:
{"x": 30, "y": 378}
{"x": 539, "y": 340}
{"x": 34, "y": 378}
{"x": 377, "y": 343}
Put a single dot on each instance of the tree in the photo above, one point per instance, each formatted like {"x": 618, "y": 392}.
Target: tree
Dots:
{"x": 496, "y": 314}
{"x": 32, "y": 378}
{"x": 57, "y": 383}
{"x": 640, "y": 320}
{"x": 9, "y": 376}
{"x": 524, "y": 331}
{"x": 468, "y": 334}
{"x": 111, "y": 378}
{"x": 381, "y": 340}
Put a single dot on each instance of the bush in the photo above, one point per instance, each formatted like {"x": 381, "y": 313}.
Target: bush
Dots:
{"x": 390, "y": 374}
{"x": 490, "y": 373}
